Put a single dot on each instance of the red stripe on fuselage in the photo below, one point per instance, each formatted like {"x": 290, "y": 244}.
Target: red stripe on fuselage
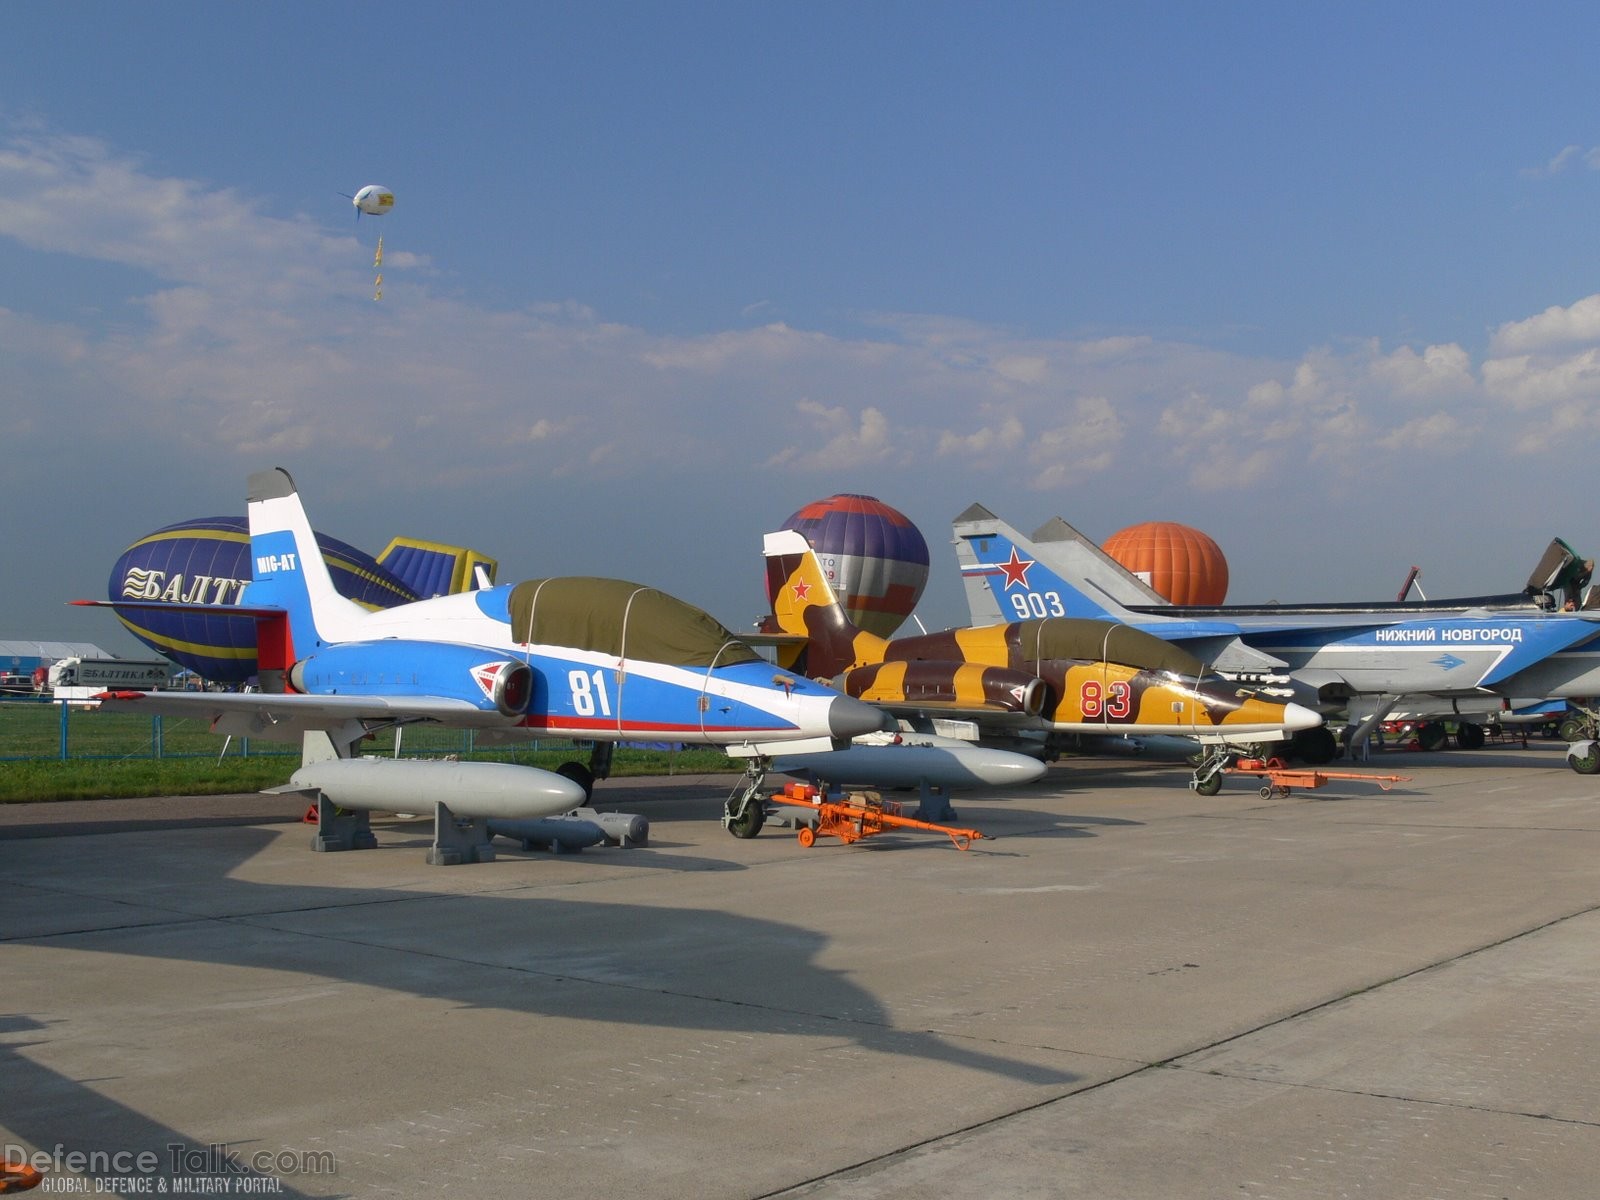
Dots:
{"x": 605, "y": 725}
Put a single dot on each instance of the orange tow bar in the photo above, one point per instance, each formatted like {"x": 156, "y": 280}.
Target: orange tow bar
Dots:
{"x": 859, "y": 815}
{"x": 1281, "y": 779}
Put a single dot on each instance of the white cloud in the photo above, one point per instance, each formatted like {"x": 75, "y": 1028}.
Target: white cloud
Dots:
{"x": 73, "y": 195}
{"x": 1438, "y": 369}
{"x": 1579, "y": 322}
{"x": 841, "y": 441}
{"x": 984, "y": 444}
{"x": 1087, "y": 445}
{"x": 771, "y": 344}
{"x": 1196, "y": 417}
{"x": 1022, "y": 368}
{"x": 1335, "y": 407}
{"x": 543, "y": 429}
{"x": 1430, "y": 433}
{"x": 1234, "y": 467}
{"x": 1111, "y": 347}
{"x": 1551, "y": 398}
{"x": 1568, "y": 157}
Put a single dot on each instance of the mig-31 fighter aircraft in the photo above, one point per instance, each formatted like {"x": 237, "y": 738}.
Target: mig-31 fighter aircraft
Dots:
{"x": 1468, "y": 657}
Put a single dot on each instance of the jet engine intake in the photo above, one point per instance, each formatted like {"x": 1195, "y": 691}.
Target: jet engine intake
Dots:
{"x": 512, "y": 688}
{"x": 393, "y": 668}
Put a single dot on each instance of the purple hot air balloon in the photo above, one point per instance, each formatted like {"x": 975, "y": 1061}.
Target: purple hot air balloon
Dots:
{"x": 875, "y": 558}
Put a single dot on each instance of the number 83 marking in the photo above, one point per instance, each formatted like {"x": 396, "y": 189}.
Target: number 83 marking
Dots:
{"x": 1094, "y": 703}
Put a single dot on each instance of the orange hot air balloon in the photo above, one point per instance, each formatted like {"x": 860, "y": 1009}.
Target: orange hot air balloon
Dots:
{"x": 1181, "y": 563}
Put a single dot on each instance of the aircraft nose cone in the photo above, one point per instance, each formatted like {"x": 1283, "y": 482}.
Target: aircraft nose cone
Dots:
{"x": 849, "y": 717}
{"x": 1297, "y": 716}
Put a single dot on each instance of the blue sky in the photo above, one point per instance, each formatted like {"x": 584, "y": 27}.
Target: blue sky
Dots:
{"x": 1319, "y": 279}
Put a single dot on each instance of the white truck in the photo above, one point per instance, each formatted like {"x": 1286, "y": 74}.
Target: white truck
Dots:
{"x": 80, "y": 678}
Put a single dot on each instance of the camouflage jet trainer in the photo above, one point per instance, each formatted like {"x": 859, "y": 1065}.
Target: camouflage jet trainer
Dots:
{"x": 1050, "y": 676}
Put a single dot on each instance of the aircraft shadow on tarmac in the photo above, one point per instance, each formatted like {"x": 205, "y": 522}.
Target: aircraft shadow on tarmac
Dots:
{"x": 49, "y": 1110}
{"x": 414, "y": 836}
{"x": 590, "y": 960}
{"x": 1024, "y": 823}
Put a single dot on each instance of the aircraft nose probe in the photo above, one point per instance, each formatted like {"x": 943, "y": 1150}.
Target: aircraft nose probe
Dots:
{"x": 849, "y": 717}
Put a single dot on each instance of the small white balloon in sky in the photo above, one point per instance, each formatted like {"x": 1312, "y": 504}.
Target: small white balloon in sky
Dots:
{"x": 374, "y": 200}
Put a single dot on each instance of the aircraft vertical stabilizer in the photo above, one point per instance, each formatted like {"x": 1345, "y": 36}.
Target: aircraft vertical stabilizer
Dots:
{"x": 1063, "y": 544}
{"x": 288, "y": 572}
{"x": 997, "y": 565}
{"x": 804, "y": 604}
{"x": 1061, "y": 573}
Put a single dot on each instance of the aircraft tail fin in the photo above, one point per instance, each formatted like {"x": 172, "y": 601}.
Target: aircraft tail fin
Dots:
{"x": 289, "y": 574}
{"x": 1057, "y": 573}
{"x": 804, "y": 605}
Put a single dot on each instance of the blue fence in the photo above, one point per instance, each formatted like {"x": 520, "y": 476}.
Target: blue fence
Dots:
{"x": 38, "y": 728}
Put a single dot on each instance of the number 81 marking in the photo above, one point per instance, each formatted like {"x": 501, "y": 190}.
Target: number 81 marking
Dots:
{"x": 1093, "y": 703}
{"x": 589, "y": 693}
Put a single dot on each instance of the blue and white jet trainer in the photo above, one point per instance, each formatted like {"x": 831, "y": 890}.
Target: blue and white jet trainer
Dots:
{"x": 597, "y": 660}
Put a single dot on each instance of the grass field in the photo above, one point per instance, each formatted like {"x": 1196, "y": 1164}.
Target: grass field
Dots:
{"x": 119, "y": 754}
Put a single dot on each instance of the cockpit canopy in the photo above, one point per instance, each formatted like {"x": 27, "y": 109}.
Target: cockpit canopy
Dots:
{"x": 629, "y": 620}
{"x": 1073, "y": 637}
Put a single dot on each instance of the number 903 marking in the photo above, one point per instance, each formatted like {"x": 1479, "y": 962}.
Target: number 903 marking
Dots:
{"x": 1037, "y": 604}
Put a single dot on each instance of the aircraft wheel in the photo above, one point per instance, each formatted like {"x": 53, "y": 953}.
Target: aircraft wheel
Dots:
{"x": 748, "y": 823}
{"x": 1315, "y": 746}
{"x": 1209, "y": 786}
{"x": 1469, "y": 736}
{"x": 1571, "y": 729}
{"x": 580, "y": 775}
{"x": 1431, "y": 735}
{"x": 807, "y": 836}
{"x": 1586, "y": 764}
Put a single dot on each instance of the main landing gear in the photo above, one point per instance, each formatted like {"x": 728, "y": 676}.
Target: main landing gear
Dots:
{"x": 1584, "y": 757}
{"x": 1580, "y": 729}
{"x": 598, "y": 767}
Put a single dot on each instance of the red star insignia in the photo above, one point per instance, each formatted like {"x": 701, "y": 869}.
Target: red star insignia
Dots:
{"x": 801, "y": 590}
{"x": 1016, "y": 571}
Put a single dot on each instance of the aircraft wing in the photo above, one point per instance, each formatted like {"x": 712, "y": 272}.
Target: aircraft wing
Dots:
{"x": 1541, "y": 641}
{"x": 1228, "y": 652}
{"x": 278, "y": 716}
{"x": 984, "y": 714}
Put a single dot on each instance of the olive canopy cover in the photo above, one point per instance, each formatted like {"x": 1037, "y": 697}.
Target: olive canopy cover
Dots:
{"x": 1073, "y": 637}
{"x": 629, "y": 620}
